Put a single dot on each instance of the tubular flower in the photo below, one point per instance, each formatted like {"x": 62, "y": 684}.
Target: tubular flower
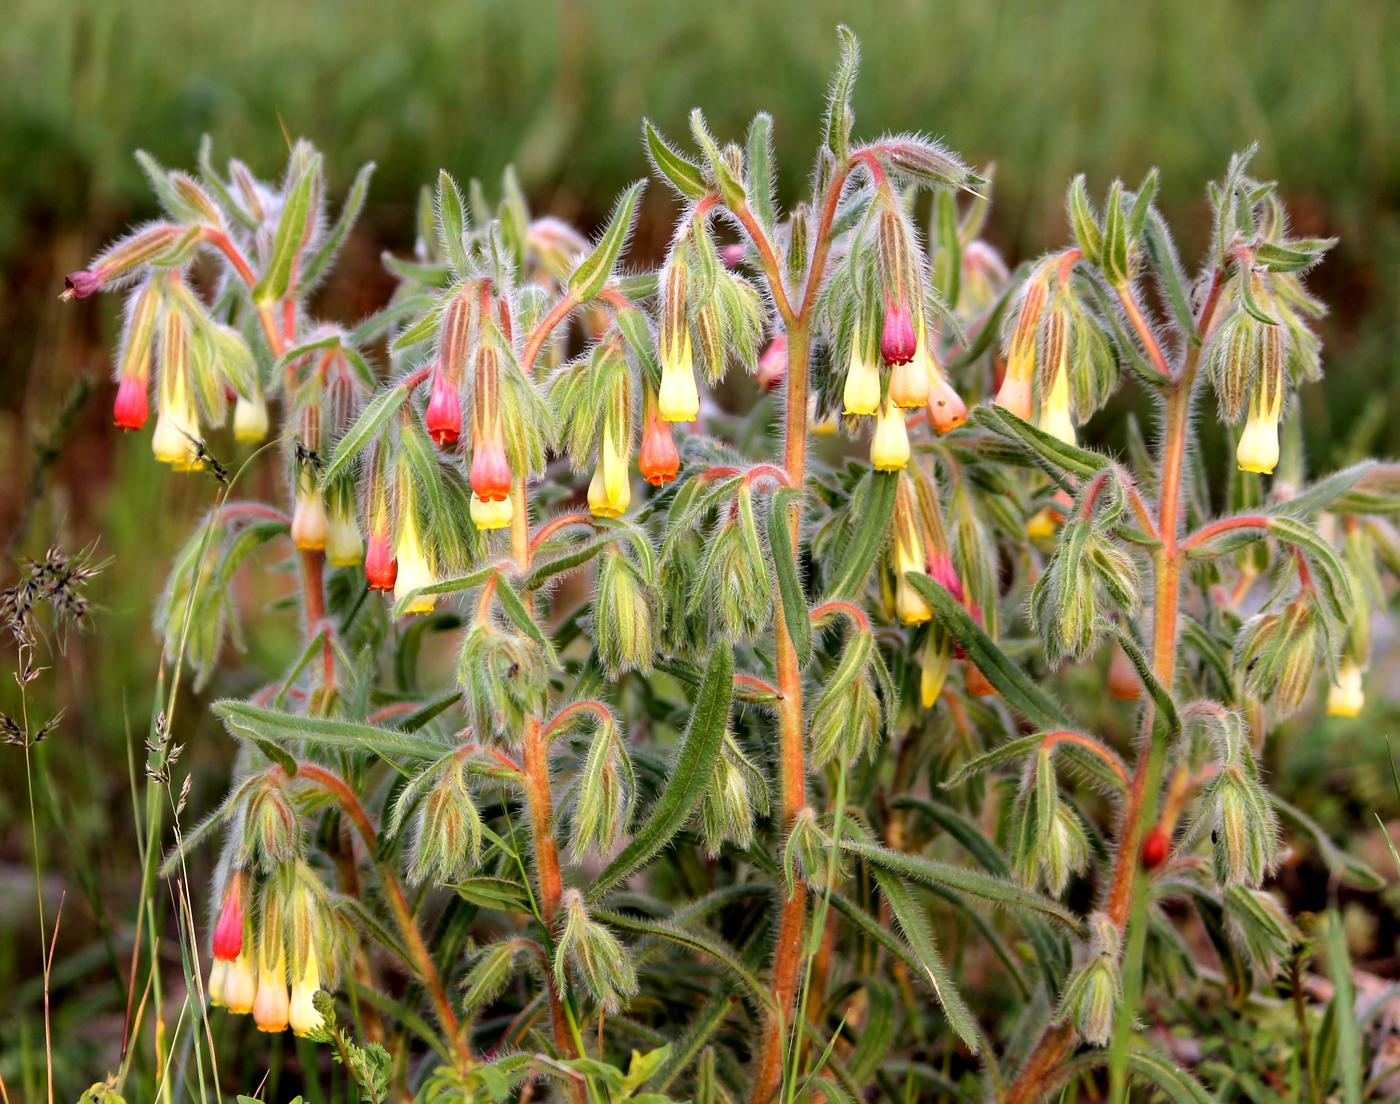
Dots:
{"x": 898, "y": 341}
{"x": 345, "y": 547}
{"x": 250, "y": 420}
{"x": 933, "y": 668}
{"x": 310, "y": 527}
{"x": 414, "y": 570}
{"x": 239, "y": 985}
{"x": 679, "y": 399}
{"x": 909, "y": 384}
{"x": 862, "y": 392}
{"x": 908, "y": 557}
{"x": 610, "y": 490}
{"x": 381, "y": 569}
{"x": 228, "y": 930}
{"x": 1016, "y": 392}
{"x": 659, "y": 461}
{"x": 303, "y": 1015}
{"x": 443, "y": 418}
{"x": 214, "y": 987}
{"x": 1347, "y": 696}
{"x": 1054, "y": 408}
{"x": 133, "y": 404}
{"x": 494, "y": 514}
{"x": 946, "y": 409}
{"x": 174, "y": 441}
{"x": 1258, "y": 447}
{"x": 889, "y": 448}
{"x": 490, "y": 476}
{"x": 271, "y": 1005}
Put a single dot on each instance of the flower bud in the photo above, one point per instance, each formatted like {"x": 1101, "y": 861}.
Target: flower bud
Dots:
{"x": 447, "y": 833}
{"x": 310, "y": 527}
{"x": 946, "y": 409}
{"x": 1093, "y": 994}
{"x": 1260, "y": 928}
{"x": 622, "y": 616}
{"x": 934, "y": 663}
{"x": 898, "y": 342}
{"x": 503, "y": 679}
{"x": 250, "y": 420}
{"x": 861, "y": 395}
{"x": 1347, "y": 696}
{"x": 659, "y": 461}
{"x": 605, "y": 791}
{"x": 414, "y": 569}
{"x": 133, "y": 404}
{"x": 1258, "y": 447}
{"x": 1279, "y": 654}
{"x": 590, "y": 951}
{"x": 807, "y": 850}
{"x": 610, "y": 490}
{"x": 79, "y": 285}
{"x": 773, "y": 364}
{"x": 443, "y": 417}
{"x": 736, "y": 795}
{"x": 984, "y": 274}
{"x": 272, "y": 831}
{"x": 228, "y": 931}
{"x": 889, "y": 448}
{"x": 1155, "y": 848}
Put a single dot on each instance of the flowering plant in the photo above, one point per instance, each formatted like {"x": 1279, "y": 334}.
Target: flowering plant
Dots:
{"x": 728, "y": 762}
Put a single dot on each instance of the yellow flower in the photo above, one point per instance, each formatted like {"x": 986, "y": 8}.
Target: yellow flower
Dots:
{"x": 1054, "y": 409}
{"x": 495, "y": 514}
{"x": 270, "y": 1006}
{"x": 177, "y": 423}
{"x": 250, "y": 419}
{"x": 679, "y": 398}
{"x": 610, "y": 490}
{"x": 345, "y": 547}
{"x": 310, "y": 528}
{"x": 240, "y": 986}
{"x": 414, "y": 569}
{"x": 303, "y": 1016}
{"x": 1258, "y": 447}
{"x": 1347, "y": 697}
{"x": 889, "y": 448}
{"x": 862, "y": 392}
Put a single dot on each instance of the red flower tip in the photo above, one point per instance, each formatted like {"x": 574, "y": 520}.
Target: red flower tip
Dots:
{"x": 133, "y": 404}
{"x": 381, "y": 569}
{"x": 79, "y": 285}
{"x": 228, "y": 931}
{"x": 1154, "y": 849}
{"x": 732, "y": 255}
{"x": 658, "y": 460}
{"x": 444, "y": 414}
{"x": 898, "y": 342}
{"x": 490, "y": 477}
{"x": 942, "y": 572}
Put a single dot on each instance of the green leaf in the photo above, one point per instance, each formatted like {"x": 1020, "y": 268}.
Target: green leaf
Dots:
{"x": 1318, "y": 496}
{"x": 372, "y": 419}
{"x": 1161, "y": 254}
{"x": 869, "y": 539}
{"x": 1086, "y": 227}
{"x": 914, "y": 924}
{"x": 681, "y": 173}
{"x": 731, "y": 188}
{"x": 996, "y": 890}
{"x": 1115, "y": 238}
{"x": 446, "y": 586}
{"x": 1244, "y": 285}
{"x": 1142, "y": 206}
{"x": 291, "y": 236}
{"x": 591, "y": 276}
{"x": 255, "y": 723}
{"x": 759, "y": 163}
{"x": 349, "y": 215}
{"x": 1161, "y": 696}
{"x": 516, "y": 611}
{"x": 452, "y": 224}
{"x": 1294, "y": 256}
{"x": 839, "y": 117}
{"x": 1052, "y": 454}
{"x": 636, "y": 331}
{"x": 493, "y": 893}
{"x": 1175, "y": 1084}
{"x": 688, "y": 777}
{"x": 796, "y": 613}
{"x": 1019, "y": 691}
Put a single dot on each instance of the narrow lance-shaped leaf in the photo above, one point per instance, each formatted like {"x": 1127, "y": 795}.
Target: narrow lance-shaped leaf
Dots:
{"x": 689, "y": 775}
{"x": 591, "y": 276}
{"x": 682, "y": 174}
{"x": 248, "y": 720}
{"x": 839, "y": 116}
{"x": 452, "y": 224}
{"x": 366, "y": 428}
{"x": 291, "y": 234}
{"x": 795, "y": 610}
{"x": 349, "y": 215}
{"x": 869, "y": 539}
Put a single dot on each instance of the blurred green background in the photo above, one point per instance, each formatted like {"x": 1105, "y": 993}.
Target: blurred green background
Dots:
{"x": 1043, "y": 90}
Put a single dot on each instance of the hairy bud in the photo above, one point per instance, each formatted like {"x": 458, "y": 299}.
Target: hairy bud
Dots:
{"x": 606, "y": 790}
{"x": 623, "y": 616}
{"x": 593, "y": 954}
{"x": 737, "y": 794}
{"x": 503, "y": 678}
{"x": 1091, "y": 998}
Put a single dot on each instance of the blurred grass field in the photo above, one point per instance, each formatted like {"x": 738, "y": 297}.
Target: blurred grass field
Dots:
{"x": 559, "y": 89}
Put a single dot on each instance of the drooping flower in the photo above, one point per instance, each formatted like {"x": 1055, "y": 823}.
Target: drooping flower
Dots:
{"x": 443, "y": 418}
{"x": 345, "y": 547}
{"x": 658, "y": 460}
{"x": 946, "y": 409}
{"x": 610, "y": 490}
{"x": 1347, "y": 696}
{"x": 414, "y": 569}
{"x": 862, "y": 391}
{"x": 250, "y": 420}
{"x": 1258, "y": 447}
{"x": 175, "y": 440}
{"x": 1016, "y": 393}
{"x": 898, "y": 342}
{"x": 934, "y": 665}
{"x": 271, "y": 1005}
{"x": 773, "y": 364}
{"x": 1055, "y": 416}
{"x": 228, "y": 931}
{"x": 240, "y": 985}
{"x": 910, "y": 605}
{"x": 310, "y": 526}
{"x": 889, "y": 447}
{"x": 679, "y": 398}
{"x": 133, "y": 405}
